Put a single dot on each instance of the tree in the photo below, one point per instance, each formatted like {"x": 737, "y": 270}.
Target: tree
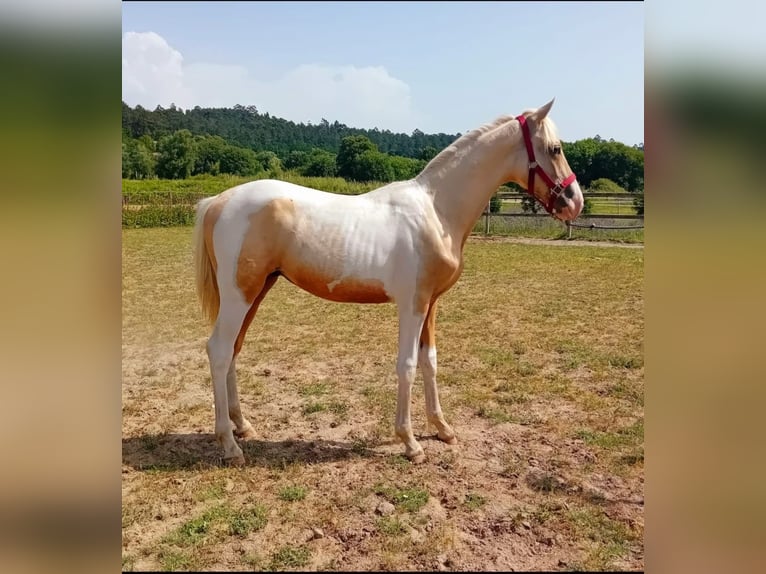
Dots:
{"x": 239, "y": 161}
{"x": 296, "y": 159}
{"x": 210, "y": 150}
{"x": 405, "y": 167}
{"x": 319, "y": 163}
{"x": 638, "y": 203}
{"x": 373, "y": 166}
{"x": 428, "y": 153}
{"x": 269, "y": 162}
{"x": 495, "y": 203}
{"x": 530, "y": 204}
{"x": 176, "y": 155}
{"x": 351, "y": 148}
{"x": 137, "y": 160}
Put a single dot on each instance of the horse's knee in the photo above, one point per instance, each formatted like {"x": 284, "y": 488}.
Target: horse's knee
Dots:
{"x": 405, "y": 369}
{"x": 219, "y": 354}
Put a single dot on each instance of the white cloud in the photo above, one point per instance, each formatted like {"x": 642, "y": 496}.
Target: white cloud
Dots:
{"x": 154, "y": 73}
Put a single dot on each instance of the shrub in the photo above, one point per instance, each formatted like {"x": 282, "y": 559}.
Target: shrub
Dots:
{"x": 495, "y": 203}
{"x": 605, "y": 185}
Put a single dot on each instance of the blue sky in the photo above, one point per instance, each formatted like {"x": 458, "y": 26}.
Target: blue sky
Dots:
{"x": 436, "y": 66}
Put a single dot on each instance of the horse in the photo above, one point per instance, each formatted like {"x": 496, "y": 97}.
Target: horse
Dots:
{"x": 401, "y": 243}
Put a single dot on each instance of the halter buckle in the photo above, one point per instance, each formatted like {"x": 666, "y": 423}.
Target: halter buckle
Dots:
{"x": 557, "y": 189}
{"x": 532, "y": 165}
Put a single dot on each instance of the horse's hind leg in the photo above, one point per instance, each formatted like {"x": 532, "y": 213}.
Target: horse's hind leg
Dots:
{"x": 220, "y": 349}
{"x": 427, "y": 362}
{"x": 242, "y": 427}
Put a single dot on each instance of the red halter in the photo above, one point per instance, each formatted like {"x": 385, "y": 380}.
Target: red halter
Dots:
{"x": 554, "y": 187}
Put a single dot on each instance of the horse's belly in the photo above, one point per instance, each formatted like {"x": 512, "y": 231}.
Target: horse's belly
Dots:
{"x": 344, "y": 290}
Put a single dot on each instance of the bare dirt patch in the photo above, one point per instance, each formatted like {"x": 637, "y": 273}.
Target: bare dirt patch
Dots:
{"x": 540, "y": 374}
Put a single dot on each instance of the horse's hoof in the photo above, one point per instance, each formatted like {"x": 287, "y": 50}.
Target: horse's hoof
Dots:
{"x": 448, "y": 439}
{"x": 237, "y": 461}
{"x": 417, "y": 458}
{"x": 245, "y": 434}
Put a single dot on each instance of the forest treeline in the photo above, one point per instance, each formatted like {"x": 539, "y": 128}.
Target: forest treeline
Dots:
{"x": 171, "y": 143}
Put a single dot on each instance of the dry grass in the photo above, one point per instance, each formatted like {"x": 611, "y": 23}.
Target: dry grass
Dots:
{"x": 540, "y": 373}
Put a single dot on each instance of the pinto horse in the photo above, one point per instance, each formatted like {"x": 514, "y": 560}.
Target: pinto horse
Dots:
{"x": 400, "y": 243}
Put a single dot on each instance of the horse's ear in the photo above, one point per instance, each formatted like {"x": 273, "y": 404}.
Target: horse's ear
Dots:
{"x": 540, "y": 113}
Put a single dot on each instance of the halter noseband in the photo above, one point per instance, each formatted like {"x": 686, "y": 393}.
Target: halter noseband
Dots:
{"x": 555, "y": 188}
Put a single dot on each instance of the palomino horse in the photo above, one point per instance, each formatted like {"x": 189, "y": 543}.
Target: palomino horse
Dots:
{"x": 400, "y": 243}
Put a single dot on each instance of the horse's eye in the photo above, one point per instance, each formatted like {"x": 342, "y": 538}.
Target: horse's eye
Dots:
{"x": 556, "y": 150}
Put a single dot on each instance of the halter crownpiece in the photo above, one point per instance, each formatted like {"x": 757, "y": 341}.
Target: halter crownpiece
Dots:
{"x": 555, "y": 188}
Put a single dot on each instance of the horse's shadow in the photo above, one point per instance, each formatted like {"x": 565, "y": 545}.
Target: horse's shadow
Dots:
{"x": 171, "y": 452}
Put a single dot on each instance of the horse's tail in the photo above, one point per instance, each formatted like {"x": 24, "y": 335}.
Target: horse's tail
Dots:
{"x": 207, "y": 285}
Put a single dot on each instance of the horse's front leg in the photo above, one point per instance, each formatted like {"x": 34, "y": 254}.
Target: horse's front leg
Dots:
{"x": 410, "y": 326}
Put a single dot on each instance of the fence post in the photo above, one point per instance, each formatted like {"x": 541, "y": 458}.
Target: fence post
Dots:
{"x": 569, "y": 230}
{"x": 486, "y": 221}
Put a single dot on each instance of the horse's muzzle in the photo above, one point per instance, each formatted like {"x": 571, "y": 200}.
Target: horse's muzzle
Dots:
{"x": 569, "y": 204}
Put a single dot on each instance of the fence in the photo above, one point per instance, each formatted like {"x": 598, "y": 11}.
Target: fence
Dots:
{"x": 613, "y": 216}
{"x": 159, "y": 208}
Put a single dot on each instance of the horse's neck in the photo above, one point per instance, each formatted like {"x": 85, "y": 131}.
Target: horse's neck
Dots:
{"x": 467, "y": 176}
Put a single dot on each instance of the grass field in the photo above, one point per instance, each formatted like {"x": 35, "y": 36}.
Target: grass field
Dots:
{"x": 540, "y": 373}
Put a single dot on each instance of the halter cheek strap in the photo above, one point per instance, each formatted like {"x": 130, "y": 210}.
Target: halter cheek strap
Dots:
{"x": 555, "y": 188}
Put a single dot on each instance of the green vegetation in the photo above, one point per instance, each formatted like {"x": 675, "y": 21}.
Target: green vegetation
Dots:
{"x": 410, "y": 499}
{"x": 474, "y": 501}
{"x": 171, "y": 158}
{"x": 391, "y": 526}
{"x": 216, "y": 523}
{"x": 292, "y": 493}
{"x": 290, "y": 557}
{"x": 175, "y": 144}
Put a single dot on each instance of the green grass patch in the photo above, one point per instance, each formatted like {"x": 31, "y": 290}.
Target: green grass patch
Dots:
{"x": 314, "y": 407}
{"x": 193, "y": 531}
{"x": 624, "y": 362}
{"x": 290, "y": 557}
{"x": 410, "y": 499}
{"x": 173, "y": 560}
{"x": 216, "y": 523}
{"x": 633, "y": 458}
{"x": 246, "y": 520}
{"x": 314, "y": 390}
{"x": 474, "y": 501}
{"x": 499, "y": 415}
{"x": 292, "y": 493}
{"x": 398, "y": 461}
{"x": 211, "y": 492}
{"x": 391, "y": 526}
{"x": 628, "y": 436}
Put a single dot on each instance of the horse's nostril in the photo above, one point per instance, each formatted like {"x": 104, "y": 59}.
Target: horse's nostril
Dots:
{"x": 569, "y": 192}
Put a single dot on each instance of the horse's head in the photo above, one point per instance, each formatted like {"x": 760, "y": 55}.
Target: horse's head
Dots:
{"x": 548, "y": 175}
